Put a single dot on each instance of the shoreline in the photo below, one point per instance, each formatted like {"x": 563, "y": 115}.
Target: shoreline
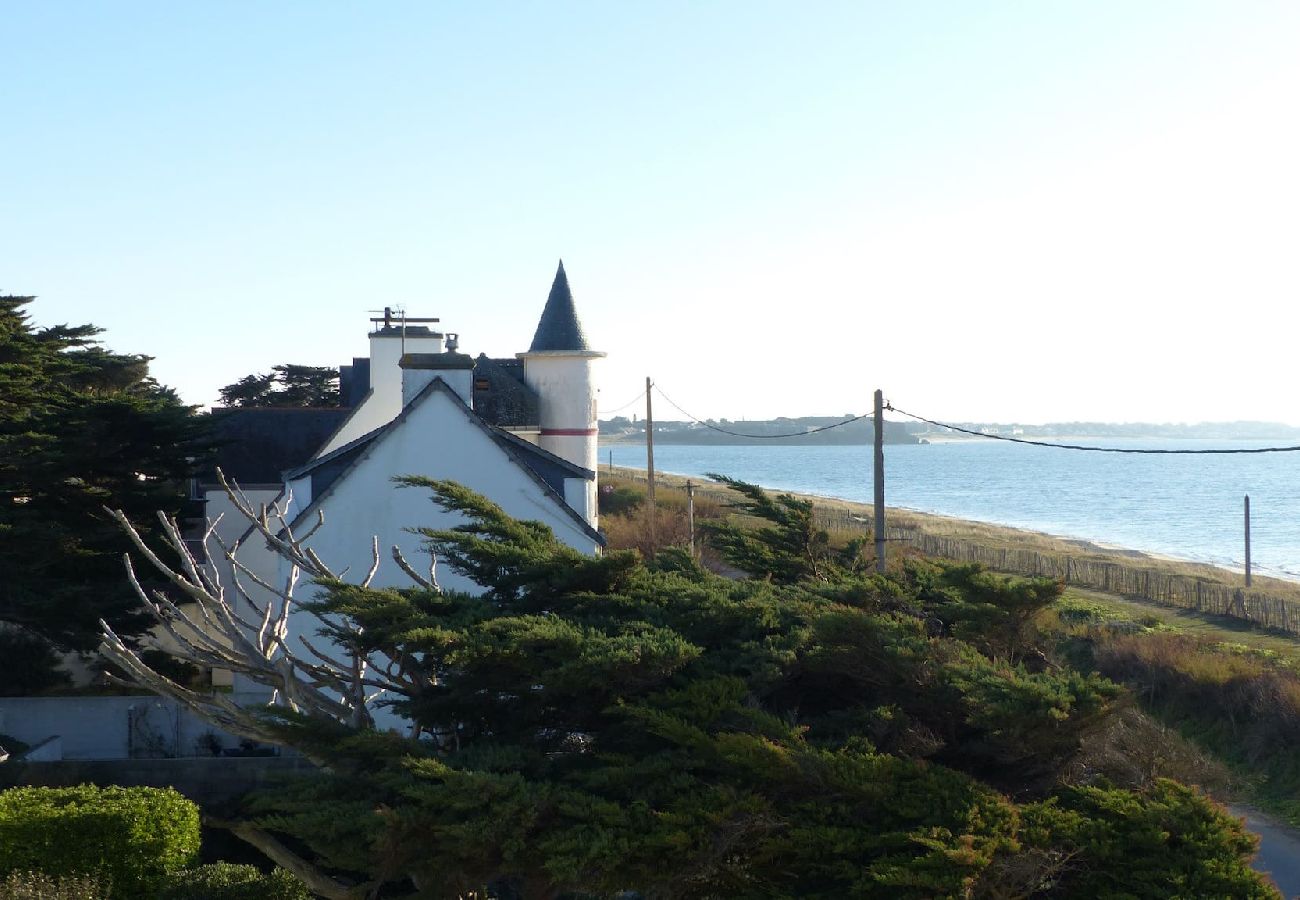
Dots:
{"x": 1042, "y": 552}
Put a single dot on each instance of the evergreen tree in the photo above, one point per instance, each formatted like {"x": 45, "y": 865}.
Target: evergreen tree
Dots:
{"x": 589, "y": 726}
{"x": 286, "y": 385}
{"x": 80, "y": 428}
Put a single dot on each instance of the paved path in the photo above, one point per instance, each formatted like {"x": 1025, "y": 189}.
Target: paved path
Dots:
{"x": 1279, "y": 850}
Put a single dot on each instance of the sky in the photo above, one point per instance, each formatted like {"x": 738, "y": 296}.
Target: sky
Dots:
{"x": 999, "y": 211}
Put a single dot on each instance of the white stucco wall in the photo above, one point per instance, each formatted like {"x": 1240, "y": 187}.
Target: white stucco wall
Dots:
{"x": 107, "y": 727}
{"x": 580, "y": 493}
{"x": 566, "y": 393}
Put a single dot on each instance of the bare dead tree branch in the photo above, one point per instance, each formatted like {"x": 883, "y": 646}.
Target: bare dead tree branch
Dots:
{"x": 207, "y": 628}
{"x": 316, "y": 880}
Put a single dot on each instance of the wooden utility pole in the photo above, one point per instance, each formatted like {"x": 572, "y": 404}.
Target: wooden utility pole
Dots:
{"x": 878, "y": 499}
{"x": 690, "y": 514}
{"x": 650, "y": 468}
{"x": 1248, "y": 540}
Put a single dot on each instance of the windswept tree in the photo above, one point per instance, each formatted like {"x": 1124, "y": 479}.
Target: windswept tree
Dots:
{"x": 81, "y": 428}
{"x": 286, "y": 385}
{"x": 588, "y": 726}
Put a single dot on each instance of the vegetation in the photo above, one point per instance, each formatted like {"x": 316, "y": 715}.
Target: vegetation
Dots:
{"x": 1240, "y": 699}
{"x": 80, "y": 428}
{"x": 39, "y": 886}
{"x": 127, "y": 839}
{"x": 286, "y": 385}
{"x": 228, "y": 881}
{"x": 89, "y": 843}
{"x": 596, "y": 725}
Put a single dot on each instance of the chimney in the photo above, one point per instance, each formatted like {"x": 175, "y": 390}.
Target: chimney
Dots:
{"x": 455, "y": 369}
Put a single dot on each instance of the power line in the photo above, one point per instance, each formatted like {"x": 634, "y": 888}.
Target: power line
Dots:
{"x": 1016, "y": 440}
{"x": 637, "y": 398}
{"x": 793, "y": 434}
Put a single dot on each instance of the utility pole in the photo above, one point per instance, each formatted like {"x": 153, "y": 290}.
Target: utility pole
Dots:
{"x": 878, "y": 500}
{"x": 690, "y": 513}
{"x": 650, "y": 468}
{"x": 1248, "y": 540}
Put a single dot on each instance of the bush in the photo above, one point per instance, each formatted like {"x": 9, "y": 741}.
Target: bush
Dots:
{"x": 39, "y": 886}
{"x": 1167, "y": 841}
{"x": 619, "y": 500}
{"x": 227, "y": 881}
{"x": 128, "y": 838}
{"x": 28, "y": 665}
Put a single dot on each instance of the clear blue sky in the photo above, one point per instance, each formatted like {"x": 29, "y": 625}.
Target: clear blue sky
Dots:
{"x": 1015, "y": 211}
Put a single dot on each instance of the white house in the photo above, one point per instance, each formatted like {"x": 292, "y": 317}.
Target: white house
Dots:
{"x": 417, "y": 416}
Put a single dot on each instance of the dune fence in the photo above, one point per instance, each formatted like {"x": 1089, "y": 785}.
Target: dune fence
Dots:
{"x": 1119, "y": 575}
{"x": 1168, "y": 582}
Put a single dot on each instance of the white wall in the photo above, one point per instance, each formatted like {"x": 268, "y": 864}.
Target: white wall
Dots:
{"x": 101, "y": 727}
{"x": 566, "y": 393}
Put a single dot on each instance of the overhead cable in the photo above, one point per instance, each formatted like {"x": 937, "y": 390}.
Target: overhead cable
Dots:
{"x": 793, "y": 434}
{"x": 1085, "y": 447}
{"x": 606, "y": 412}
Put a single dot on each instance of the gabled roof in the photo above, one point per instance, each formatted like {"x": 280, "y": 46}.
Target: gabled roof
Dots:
{"x": 546, "y": 469}
{"x": 559, "y": 328}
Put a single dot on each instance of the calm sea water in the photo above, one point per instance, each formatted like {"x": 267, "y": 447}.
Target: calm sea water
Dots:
{"x": 1184, "y": 506}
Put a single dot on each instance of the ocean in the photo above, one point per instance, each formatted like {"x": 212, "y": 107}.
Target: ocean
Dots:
{"x": 1189, "y": 507}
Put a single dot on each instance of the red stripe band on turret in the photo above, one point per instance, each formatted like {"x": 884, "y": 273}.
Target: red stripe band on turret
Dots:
{"x": 570, "y": 432}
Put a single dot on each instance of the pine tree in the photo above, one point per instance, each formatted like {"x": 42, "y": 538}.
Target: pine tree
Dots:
{"x": 286, "y": 385}
{"x": 586, "y": 726}
{"x": 80, "y": 428}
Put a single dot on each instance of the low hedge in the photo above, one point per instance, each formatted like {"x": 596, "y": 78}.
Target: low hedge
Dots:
{"x": 39, "y": 886}
{"x": 127, "y": 838}
{"x": 228, "y": 881}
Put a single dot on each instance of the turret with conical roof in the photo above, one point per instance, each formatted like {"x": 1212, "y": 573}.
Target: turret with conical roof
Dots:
{"x": 558, "y": 366}
{"x": 559, "y": 328}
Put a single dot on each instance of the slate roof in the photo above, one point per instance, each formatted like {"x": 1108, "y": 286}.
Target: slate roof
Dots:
{"x": 256, "y": 444}
{"x": 559, "y": 328}
{"x": 501, "y": 397}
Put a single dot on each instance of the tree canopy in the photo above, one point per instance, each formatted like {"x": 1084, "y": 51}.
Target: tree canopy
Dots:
{"x": 285, "y": 385}
{"x": 81, "y": 428}
{"x": 588, "y": 726}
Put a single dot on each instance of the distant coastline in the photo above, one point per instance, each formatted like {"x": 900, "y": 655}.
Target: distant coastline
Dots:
{"x": 847, "y": 430}
{"x": 817, "y": 431}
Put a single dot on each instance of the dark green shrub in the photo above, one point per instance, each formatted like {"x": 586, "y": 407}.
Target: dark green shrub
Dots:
{"x": 28, "y": 665}
{"x": 127, "y": 837}
{"x": 39, "y": 886}
{"x": 228, "y": 881}
{"x": 1166, "y": 841}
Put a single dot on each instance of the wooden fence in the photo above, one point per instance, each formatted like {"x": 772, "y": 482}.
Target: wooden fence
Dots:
{"x": 1148, "y": 582}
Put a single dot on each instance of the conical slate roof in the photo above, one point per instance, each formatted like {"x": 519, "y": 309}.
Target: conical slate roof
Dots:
{"x": 559, "y": 329}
